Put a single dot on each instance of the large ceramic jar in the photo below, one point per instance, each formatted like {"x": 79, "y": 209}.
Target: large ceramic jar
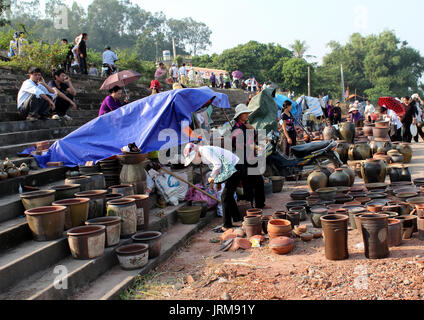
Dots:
{"x": 382, "y": 133}
{"x": 375, "y": 235}
{"x": 399, "y": 173}
{"x": 317, "y": 180}
{"x": 381, "y": 146}
{"x": 339, "y": 179}
{"x": 368, "y": 129}
{"x": 406, "y": 150}
{"x": 127, "y": 210}
{"x": 359, "y": 151}
{"x": 350, "y": 173}
{"x": 330, "y": 133}
{"x": 347, "y": 131}
{"x": 374, "y": 171}
{"x": 343, "y": 150}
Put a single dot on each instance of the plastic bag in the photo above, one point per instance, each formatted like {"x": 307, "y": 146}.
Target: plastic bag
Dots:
{"x": 150, "y": 184}
{"x": 196, "y": 195}
{"x": 171, "y": 188}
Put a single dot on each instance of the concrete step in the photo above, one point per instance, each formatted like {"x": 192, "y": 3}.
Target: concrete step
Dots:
{"x": 35, "y": 135}
{"x": 115, "y": 281}
{"x": 15, "y": 126}
{"x": 13, "y": 232}
{"x": 37, "y": 281}
{"x": 13, "y": 149}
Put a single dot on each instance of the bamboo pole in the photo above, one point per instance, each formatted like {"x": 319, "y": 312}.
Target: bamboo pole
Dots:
{"x": 190, "y": 184}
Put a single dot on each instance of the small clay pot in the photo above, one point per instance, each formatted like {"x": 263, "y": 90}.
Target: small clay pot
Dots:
{"x": 375, "y": 208}
{"x": 281, "y": 245}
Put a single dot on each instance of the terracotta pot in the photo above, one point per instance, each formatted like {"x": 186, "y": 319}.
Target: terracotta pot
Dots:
{"x": 395, "y": 232}
{"x": 66, "y": 191}
{"x": 381, "y": 133}
{"x": 347, "y": 131}
{"x": 277, "y": 184}
{"x": 343, "y": 150}
{"x": 368, "y": 130}
{"x": 281, "y": 245}
{"x": 98, "y": 181}
{"x": 383, "y": 157}
{"x": 382, "y": 124}
{"x": 153, "y": 239}
{"x": 243, "y": 206}
{"x": 375, "y": 235}
{"x": 76, "y": 213}
{"x": 339, "y": 179}
{"x": 97, "y": 202}
{"x": 87, "y": 242}
{"x": 335, "y": 236}
{"x": 350, "y": 173}
{"x": 277, "y": 228}
{"x": 143, "y": 210}
{"x": 127, "y": 210}
{"x": 374, "y": 171}
{"x": 406, "y": 150}
{"x": 133, "y": 256}
{"x": 253, "y": 229}
{"x": 113, "y": 229}
{"x": 252, "y": 220}
{"x": 317, "y": 180}
{"x": 254, "y": 212}
{"x": 46, "y": 223}
{"x": 125, "y": 189}
{"x": 316, "y": 215}
{"x": 375, "y": 208}
{"x": 359, "y": 151}
{"x": 37, "y": 199}
{"x": 84, "y": 182}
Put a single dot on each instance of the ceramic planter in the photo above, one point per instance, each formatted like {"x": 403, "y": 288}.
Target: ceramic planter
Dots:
{"x": 98, "y": 181}
{"x": 374, "y": 171}
{"x": 36, "y": 199}
{"x": 300, "y": 195}
{"x": 133, "y": 256}
{"x": 135, "y": 175}
{"x": 339, "y": 179}
{"x": 66, "y": 191}
{"x": 143, "y": 210}
{"x": 409, "y": 225}
{"x": 77, "y": 211}
{"x": 125, "y": 189}
{"x": 153, "y": 239}
{"x": 277, "y": 184}
{"x": 127, "y": 210}
{"x": 97, "y": 202}
{"x": 87, "y": 242}
{"x": 302, "y": 211}
{"x": 84, "y": 182}
{"x": 113, "y": 229}
{"x": 113, "y": 196}
{"x": 316, "y": 215}
{"x": 190, "y": 215}
{"x": 278, "y": 228}
{"x": 294, "y": 218}
{"x": 46, "y": 223}
{"x": 375, "y": 235}
{"x": 252, "y": 226}
{"x": 335, "y": 236}
{"x": 395, "y": 232}
{"x": 317, "y": 180}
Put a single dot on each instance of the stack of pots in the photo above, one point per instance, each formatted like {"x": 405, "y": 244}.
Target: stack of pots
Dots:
{"x": 133, "y": 171}
{"x": 335, "y": 236}
{"x": 381, "y": 130}
{"x": 111, "y": 170}
{"x": 375, "y": 235}
{"x": 279, "y": 228}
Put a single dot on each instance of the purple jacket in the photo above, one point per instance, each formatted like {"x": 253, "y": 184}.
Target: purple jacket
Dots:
{"x": 109, "y": 104}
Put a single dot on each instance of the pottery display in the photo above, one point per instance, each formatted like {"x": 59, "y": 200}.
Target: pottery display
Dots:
{"x": 281, "y": 245}
{"x": 113, "y": 229}
{"x": 46, "y": 223}
{"x": 347, "y": 131}
{"x": 335, "y": 232}
{"x": 343, "y": 150}
{"x": 350, "y": 173}
{"x": 339, "y": 179}
{"x": 87, "y": 242}
{"x": 36, "y": 199}
{"x": 374, "y": 171}
{"x": 359, "y": 151}
{"x": 399, "y": 173}
{"x": 133, "y": 256}
{"x": 317, "y": 180}
{"x": 327, "y": 193}
{"x": 375, "y": 235}
{"x": 153, "y": 239}
{"x": 127, "y": 210}
{"x": 406, "y": 150}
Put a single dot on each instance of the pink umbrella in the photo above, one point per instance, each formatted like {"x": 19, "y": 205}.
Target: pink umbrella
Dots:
{"x": 120, "y": 79}
{"x": 237, "y": 74}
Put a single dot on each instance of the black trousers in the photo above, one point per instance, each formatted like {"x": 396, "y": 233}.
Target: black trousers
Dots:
{"x": 229, "y": 204}
{"x": 62, "y": 105}
{"x": 83, "y": 65}
{"x": 286, "y": 145}
{"x": 35, "y": 107}
{"x": 397, "y": 136}
{"x": 407, "y": 136}
{"x": 254, "y": 190}
{"x": 420, "y": 134}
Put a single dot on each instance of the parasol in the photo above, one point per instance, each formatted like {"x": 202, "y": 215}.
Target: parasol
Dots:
{"x": 120, "y": 79}
{"x": 392, "y": 104}
{"x": 237, "y": 74}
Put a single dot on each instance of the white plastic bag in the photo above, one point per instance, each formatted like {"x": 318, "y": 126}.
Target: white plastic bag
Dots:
{"x": 171, "y": 188}
{"x": 150, "y": 184}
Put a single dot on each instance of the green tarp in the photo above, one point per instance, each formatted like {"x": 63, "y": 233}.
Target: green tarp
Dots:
{"x": 264, "y": 111}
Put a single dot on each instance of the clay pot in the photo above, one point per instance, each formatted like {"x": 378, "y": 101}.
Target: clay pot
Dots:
{"x": 374, "y": 171}
{"x": 327, "y": 194}
{"x": 330, "y": 133}
{"x": 113, "y": 196}
{"x": 399, "y": 173}
{"x": 87, "y": 242}
{"x": 134, "y": 174}
{"x": 375, "y": 208}
{"x": 66, "y": 191}
{"x": 395, "y": 156}
{"x": 409, "y": 225}
{"x": 343, "y": 150}
{"x": 302, "y": 211}
{"x": 406, "y": 195}
{"x": 350, "y": 173}
{"x": 317, "y": 180}
{"x": 277, "y": 184}
{"x": 339, "y": 179}
{"x": 243, "y": 206}
{"x": 381, "y": 146}
{"x": 187, "y": 215}
{"x": 46, "y": 223}
{"x": 352, "y": 211}
{"x": 97, "y": 202}
{"x": 406, "y": 150}
{"x": 335, "y": 236}
{"x": 294, "y": 218}
{"x": 125, "y": 189}
{"x": 421, "y": 228}
{"x": 127, "y": 210}
{"x": 84, "y": 182}
{"x": 316, "y": 215}
{"x": 252, "y": 220}
{"x": 143, "y": 210}
{"x": 368, "y": 129}
{"x": 153, "y": 239}
{"x": 375, "y": 235}
{"x": 77, "y": 211}
{"x": 382, "y": 124}
{"x": 359, "y": 151}
{"x": 395, "y": 232}
{"x": 12, "y": 173}
{"x": 419, "y": 182}
{"x": 347, "y": 131}
{"x": 98, "y": 180}
{"x": 279, "y": 215}
{"x": 294, "y": 204}
{"x": 133, "y": 256}
{"x": 253, "y": 227}
{"x": 254, "y": 212}
{"x": 383, "y": 157}
{"x": 381, "y": 133}
{"x": 281, "y": 245}
{"x": 37, "y": 199}
{"x": 279, "y": 228}
{"x": 300, "y": 195}
{"x": 113, "y": 229}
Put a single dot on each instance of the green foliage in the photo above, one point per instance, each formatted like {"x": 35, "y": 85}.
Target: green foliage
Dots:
{"x": 5, "y": 36}
{"x": 179, "y": 60}
{"x": 128, "y": 60}
{"x": 45, "y": 56}
{"x": 95, "y": 57}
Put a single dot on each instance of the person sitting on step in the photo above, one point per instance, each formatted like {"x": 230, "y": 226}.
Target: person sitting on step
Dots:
{"x": 65, "y": 91}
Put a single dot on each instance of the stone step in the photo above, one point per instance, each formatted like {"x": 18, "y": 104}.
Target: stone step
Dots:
{"x": 13, "y": 149}
{"x": 13, "y": 232}
{"x": 37, "y": 281}
{"x": 35, "y": 135}
{"x": 115, "y": 281}
{"x": 15, "y": 126}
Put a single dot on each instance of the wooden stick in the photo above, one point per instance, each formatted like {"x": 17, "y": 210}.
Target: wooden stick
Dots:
{"x": 225, "y": 114}
{"x": 190, "y": 184}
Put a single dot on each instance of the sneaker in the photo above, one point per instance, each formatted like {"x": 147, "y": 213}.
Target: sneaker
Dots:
{"x": 55, "y": 117}
{"x": 66, "y": 117}
{"x": 29, "y": 118}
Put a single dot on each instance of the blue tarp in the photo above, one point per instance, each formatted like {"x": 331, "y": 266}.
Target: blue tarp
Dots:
{"x": 296, "y": 109}
{"x": 141, "y": 122}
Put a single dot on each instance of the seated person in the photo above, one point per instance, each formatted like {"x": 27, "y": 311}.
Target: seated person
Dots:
{"x": 35, "y": 97}
{"x": 93, "y": 70}
{"x": 65, "y": 92}
{"x": 112, "y": 102}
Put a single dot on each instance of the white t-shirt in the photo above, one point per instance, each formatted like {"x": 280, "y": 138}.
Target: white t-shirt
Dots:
{"x": 183, "y": 71}
{"x": 369, "y": 109}
{"x": 174, "y": 72}
{"x": 210, "y": 157}
{"x": 393, "y": 118}
{"x": 109, "y": 57}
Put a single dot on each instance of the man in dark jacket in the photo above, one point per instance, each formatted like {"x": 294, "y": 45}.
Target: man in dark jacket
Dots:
{"x": 82, "y": 48}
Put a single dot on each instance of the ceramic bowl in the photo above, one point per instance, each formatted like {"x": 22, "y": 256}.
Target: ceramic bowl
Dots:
{"x": 281, "y": 245}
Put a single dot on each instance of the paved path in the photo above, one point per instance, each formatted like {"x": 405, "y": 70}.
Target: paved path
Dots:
{"x": 417, "y": 165}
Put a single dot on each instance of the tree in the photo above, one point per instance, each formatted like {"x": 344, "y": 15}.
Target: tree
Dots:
{"x": 299, "y": 49}
{"x": 291, "y": 73}
{"x": 4, "y": 6}
{"x": 198, "y": 36}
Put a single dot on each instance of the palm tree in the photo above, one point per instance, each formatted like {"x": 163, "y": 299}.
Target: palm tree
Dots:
{"x": 299, "y": 49}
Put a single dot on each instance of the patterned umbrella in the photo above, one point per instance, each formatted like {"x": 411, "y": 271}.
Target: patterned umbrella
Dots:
{"x": 120, "y": 79}
{"x": 237, "y": 74}
{"x": 392, "y": 104}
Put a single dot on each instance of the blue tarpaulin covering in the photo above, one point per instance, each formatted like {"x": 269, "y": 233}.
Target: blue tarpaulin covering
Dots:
{"x": 141, "y": 122}
{"x": 296, "y": 109}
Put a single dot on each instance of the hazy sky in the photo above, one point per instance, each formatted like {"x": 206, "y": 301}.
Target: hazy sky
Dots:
{"x": 235, "y": 22}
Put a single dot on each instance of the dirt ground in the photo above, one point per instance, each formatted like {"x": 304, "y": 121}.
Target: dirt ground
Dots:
{"x": 200, "y": 272}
